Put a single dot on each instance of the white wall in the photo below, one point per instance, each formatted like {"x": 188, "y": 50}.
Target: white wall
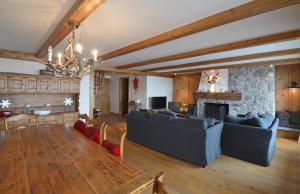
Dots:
{"x": 19, "y": 66}
{"x": 29, "y": 67}
{"x": 84, "y": 96}
{"x": 220, "y": 85}
{"x": 140, "y": 94}
{"x": 159, "y": 86}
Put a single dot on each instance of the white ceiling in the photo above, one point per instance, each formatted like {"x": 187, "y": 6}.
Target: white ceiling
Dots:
{"x": 25, "y": 24}
{"x": 118, "y": 23}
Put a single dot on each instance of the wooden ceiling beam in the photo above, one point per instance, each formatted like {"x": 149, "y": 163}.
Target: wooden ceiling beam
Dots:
{"x": 269, "y": 62}
{"x": 130, "y": 71}
{"x": 229, "y": 59}
{"x": 79, "y": 11}
{"x": 279, "y": 37}
{"x": 19, "y": 55}
{"x": 243, "y": 11}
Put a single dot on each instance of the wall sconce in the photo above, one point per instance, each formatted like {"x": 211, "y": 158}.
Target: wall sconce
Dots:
{"x": 293, "y": 86}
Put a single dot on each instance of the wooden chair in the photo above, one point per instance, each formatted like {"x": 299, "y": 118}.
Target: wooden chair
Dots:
{"x": 19, "y": 117}
{"x": 158, "y": 185}
{"x": 122, "y": 129}
{"x": 85, "y": 117}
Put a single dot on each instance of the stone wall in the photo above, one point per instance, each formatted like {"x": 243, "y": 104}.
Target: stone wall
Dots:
{"x": 257, "y": 85}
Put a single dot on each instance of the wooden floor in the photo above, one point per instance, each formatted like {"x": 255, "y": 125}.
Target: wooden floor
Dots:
{"x": 225, "y": 175}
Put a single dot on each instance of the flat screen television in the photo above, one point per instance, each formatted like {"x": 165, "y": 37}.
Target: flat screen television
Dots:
{"x": 159, "y": 102}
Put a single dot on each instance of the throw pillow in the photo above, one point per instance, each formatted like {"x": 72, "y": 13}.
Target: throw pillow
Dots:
{"x": 237, "y": 120}
{"x": 138, "y": 114}
{"x": 210, "y": 121}
{"x": 267, "y": 118}
{"x": 79, "y": 125}
{"x": 192, "y": 123}
{"x": 257, "y": 122}
{"x": 168, "y": 113}
{"x": 159, "y": 117}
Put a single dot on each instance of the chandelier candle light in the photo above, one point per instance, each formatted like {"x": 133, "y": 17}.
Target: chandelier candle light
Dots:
{"x": 72, "y": 63}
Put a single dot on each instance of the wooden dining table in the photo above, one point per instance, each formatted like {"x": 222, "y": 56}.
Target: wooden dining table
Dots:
{"x": 59, "y": 159}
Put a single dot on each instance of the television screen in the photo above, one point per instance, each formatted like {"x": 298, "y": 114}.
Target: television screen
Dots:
{"x": 159, "y": 102}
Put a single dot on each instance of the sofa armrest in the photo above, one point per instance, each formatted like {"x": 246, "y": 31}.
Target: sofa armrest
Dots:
{"x": 213, "y": 142}
{"x": 247, "y": 142}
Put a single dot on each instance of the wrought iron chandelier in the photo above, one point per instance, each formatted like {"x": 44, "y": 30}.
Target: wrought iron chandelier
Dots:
{"x": 72, "y": 63}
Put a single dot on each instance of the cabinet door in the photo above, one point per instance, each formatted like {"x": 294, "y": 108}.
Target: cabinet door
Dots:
{"x": 66, "y": 86}
{"x": 55, "y": 85}
{"x": 30, "y": 84}
{"x": 16, "y": 84}
{"x": 3, "y": 83}
{"x": 43, "y": 85}
{"x": 76, "y": 86}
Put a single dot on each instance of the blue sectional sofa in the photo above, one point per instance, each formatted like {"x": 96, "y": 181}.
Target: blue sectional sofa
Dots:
{"x": 193, "y": 140}
{"x": 250, "y": 139}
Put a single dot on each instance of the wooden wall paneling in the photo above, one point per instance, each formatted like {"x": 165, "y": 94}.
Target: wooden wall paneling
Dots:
{"x": 76, "y": 86}
{"x": 16, "y": 83}
{"x": 285, "y": 98}
{"x": 193, "y": 87}
{"x": 43, "y": 85}
{"x": 3, "y": 83}
{"x": 294, "y": 102}
{"x": 55, "y": 85}
{"x": 30, "y": 84}
{"x": 66, "y": 86}
{"x": 180, "y": 89}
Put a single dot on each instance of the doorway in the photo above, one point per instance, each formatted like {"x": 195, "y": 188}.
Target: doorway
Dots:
{"x": 124, "y": 95}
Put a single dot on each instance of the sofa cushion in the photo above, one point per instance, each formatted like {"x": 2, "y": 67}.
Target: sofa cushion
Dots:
{"x": 295, "y": 117}
{"x": 210, "y": 121}
{"x": 138, "y": 114}
{"x": 168, "y": 113}
{"x": 248, "y": 115}
{"x": 267, "y": 118}
{"x": 175, "y": 106}
{"x": 192, "y": 123}
{"x": 159, "y": 117}
{"x": 237, "y": 120}
{"x": 257, "y": 122}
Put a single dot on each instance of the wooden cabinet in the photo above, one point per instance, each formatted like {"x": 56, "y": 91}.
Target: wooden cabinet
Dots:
{"x": 30, "y": 84}
{"x": 3, "y": 83}
{"x": 55, "y": 85}
{"x": 76, "y": 86}
{"x": 27, "y": 83}
{"x": 66, "y": 86}
{"x": 43, "y": 85}
{"x": 16, "y": 83}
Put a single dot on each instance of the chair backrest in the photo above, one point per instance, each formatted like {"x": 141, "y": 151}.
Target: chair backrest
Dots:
{"x": 123, "y": 131}
{"x": 158, "y": 185}
{"x": 84, "y": 117}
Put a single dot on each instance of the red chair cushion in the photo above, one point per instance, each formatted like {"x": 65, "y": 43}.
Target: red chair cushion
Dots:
{"x": 93, "y": 134}
{"x": 80, "y": 126}
{"x": 113, "y": 148}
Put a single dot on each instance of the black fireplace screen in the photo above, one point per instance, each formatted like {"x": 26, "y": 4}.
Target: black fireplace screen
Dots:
{"x": 216, "y": 110}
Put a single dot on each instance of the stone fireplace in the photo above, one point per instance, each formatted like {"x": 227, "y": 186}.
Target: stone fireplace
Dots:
{"x": 216, "y": 110}
{"x": 257, "y": 87}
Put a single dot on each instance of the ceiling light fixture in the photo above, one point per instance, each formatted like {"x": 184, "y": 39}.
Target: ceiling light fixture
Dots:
{"x": 72, "y": 63}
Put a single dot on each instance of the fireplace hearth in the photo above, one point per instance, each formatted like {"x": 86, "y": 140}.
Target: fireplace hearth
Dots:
{"x": 216, "y": 110}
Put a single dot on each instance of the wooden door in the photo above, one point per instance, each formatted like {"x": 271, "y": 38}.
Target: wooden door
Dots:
{"x": 66, "y": 86}
{"x": 30, "y": 84}
{"x": 103, "y": 97}
{"x": 124, "y": 87}
{"x": 43, "y": 85}
{"x": 16, "y": 84}
{"x": 3, "y": 83}
{"x": 55, "y": 85}
{"x": 76, "y": 86}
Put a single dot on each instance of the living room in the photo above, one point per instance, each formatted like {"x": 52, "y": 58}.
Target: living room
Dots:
{"x": 135, "y": 96}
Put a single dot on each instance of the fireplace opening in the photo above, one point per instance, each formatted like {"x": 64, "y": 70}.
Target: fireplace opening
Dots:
{"x": 216, "y": 110}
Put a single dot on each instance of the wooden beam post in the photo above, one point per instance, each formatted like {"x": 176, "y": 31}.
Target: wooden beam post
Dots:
{"x": 79, "y": 11}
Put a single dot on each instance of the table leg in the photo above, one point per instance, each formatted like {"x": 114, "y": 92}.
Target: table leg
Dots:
{"x": 5, "y": 123}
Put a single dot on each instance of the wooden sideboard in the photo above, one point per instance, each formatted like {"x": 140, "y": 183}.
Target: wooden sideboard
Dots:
{"x": 26, "y": 83}
{"x": 51, "y": 119}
